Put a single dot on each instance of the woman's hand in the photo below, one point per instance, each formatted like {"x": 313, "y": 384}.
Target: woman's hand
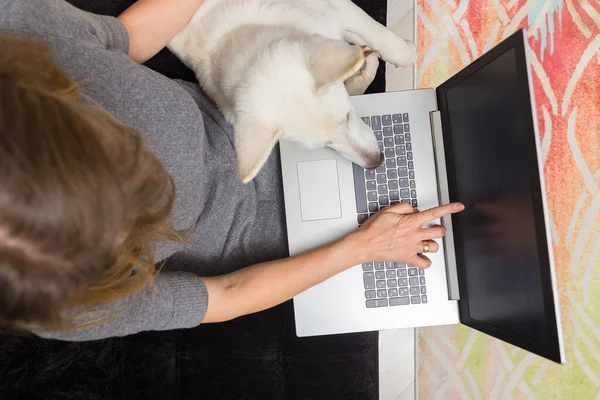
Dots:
{"x": 396, "y": 234}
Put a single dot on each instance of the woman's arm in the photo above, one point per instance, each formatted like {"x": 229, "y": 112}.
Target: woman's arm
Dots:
{"x": 152, "y": 24}
{"x": 395, "y": 234}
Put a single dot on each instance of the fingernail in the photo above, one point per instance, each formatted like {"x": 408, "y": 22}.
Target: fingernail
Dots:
{"x": 461, "y": 207}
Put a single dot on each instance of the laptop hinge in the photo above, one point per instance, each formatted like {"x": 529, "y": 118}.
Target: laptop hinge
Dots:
{"x": 448, "y": 241}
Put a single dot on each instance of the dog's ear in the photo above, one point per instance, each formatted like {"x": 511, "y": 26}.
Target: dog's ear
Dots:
{"x": 332, "y": 61}
{"x": 253, "y": 144}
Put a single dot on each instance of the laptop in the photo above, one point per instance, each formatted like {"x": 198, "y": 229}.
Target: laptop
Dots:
{"x": 474, "y": 139}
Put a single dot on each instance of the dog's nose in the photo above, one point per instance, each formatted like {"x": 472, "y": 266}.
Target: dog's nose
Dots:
{"x": 378, "y": 163}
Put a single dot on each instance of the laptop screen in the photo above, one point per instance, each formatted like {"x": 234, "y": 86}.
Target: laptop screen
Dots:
{"x": 501, "y": 247}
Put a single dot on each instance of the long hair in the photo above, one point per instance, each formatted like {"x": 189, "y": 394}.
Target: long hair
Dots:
{"x": 82, "y": 200}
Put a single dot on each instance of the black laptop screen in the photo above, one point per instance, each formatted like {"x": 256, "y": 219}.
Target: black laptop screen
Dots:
{"x": 504, "y": 271}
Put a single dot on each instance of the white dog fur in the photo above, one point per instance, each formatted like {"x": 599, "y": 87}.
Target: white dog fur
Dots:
{"x": 284, "y": 68}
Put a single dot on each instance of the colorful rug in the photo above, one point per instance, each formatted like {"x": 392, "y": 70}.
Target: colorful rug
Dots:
{"x": 564, "y": 40}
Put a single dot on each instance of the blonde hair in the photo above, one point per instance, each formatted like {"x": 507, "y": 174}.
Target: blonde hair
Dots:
{"x": 82, "y": 200}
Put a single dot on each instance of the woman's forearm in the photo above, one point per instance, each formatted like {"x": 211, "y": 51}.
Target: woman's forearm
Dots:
{"x": 152, "y": 24}
{"x": 265, "y": 285}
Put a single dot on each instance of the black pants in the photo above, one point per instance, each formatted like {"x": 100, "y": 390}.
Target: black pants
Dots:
{"x": 253, "y": 357}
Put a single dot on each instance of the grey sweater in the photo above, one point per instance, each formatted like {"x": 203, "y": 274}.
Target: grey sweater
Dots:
{"x": 233, "y": 225}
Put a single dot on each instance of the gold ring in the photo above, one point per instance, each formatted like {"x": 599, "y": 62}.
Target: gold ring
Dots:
{"x": 425, "y": 247}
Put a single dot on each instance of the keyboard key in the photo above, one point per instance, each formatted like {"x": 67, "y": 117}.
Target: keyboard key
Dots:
{"x": 393, "y": 292}
{"x": 408, "y": 146}
{"x": 387, "y": 131}
{"x": 382, "y": 189}
{"x": 423, "y": 290}
{"x": 392, "y": 174}
{"x": 405, "y": 193}
{"x": 379, "y": 274}
{"x": 421, "y": 279}
{"x": 389, "y": 264}
{"x": 381, "y": 178}
{"x": 412, "y": 184}
{"x": 401, "y": 265}
{"x": 386, "y": 120}
{"x": 402, "y": 171}
{"x": 366, "y": 120}
{"x": 413, "y": 291}
{"x": 378, "y": 136}
{"x": 401, "y": 161}
{"x": 411, "y": 165}
{"x": 389, "y": 153}
{"x": 383, "y": 292}
{"x": 403, "y": 182}
{"x": 392, "y": 283}
{"x": 388, "y": 142}
{"x": 377, "y": 303}
{"x": 376, "y": 122}
{"x": 413, "y": 300}
{"x": 370, "y": 174}
{"x": 405, "y": 201}
{"x": 398, "y": 130}
{"x": 403, "y": 291}
{"x": 399, "y": 301}
{"x": 390, "y": 273}
{"x": 379, "y": 265}
{"x": 372, "y": 195}
{"x": 390, "y": 163}
{"x": 397, "y": 118}
{"x": 409, "y": 156}
{"x": 380, "y": 284}
{"x": 414, "y": 203}
{"x": 413, "y": 193}
{"x": 380, "y": 145}
{"x": 411, "y": 174}
{"x": 407, "y": 136}
{"x": 402, "y": 273}
{"x": 380, "y": 169}
{"x": 393, "y": 203}
{"x": 402, "y": 282}
{"x": 362, "y": 218}
{"x": 373, "y": 207}
{"x": 399, "y": 139}
{"x": 413, "y": 272}
{"x": 359, "y": 185}
{"x": 392, "y": 184}
{"x": 368, "y": 266}
{"x": 384, "y": 200}
{"x": 405, "y": 117}
{"x": 424, "y": 299}
{"x": 422, "y": 272}
{"x": 401, "y": 150}
{"x": 369, "y": 280}
{"x": 394, "y": 195}
{"x": 413, "y": 281}
{"x": 370, "y": 294}
{"x": 406, "y": 128}
{"x": 371, "y": 185}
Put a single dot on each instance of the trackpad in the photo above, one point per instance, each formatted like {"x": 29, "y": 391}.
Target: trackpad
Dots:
{"x": 319, "y": 190}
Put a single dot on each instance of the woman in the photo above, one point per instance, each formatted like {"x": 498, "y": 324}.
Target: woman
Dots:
{"x": 102, "y": 161}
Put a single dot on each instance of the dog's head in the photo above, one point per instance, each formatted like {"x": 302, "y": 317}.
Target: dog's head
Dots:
{"x": 295, "y": 90}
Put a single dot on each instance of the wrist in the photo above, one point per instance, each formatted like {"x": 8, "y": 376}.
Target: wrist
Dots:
{"x": 353, "y": 248}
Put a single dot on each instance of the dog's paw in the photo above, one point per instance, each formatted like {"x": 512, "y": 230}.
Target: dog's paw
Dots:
{"x": 399, "y": 52}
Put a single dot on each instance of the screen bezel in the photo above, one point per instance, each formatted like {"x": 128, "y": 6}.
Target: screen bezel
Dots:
{"x": 552, "y": 349}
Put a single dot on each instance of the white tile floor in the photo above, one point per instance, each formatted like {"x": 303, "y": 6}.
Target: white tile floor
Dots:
{"x": 397, "y": 348}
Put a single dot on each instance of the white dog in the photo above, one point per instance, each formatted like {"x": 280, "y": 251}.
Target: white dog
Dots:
{"x": 284, "y": 68}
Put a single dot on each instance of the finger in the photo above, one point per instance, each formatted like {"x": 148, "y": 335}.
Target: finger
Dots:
{"x": 435, "y": 232}
{"x": 402, "y": 208}
{"x": 433, "y": 246}
{"x": 422, "y": 262}
{"x": 438, "y": 212}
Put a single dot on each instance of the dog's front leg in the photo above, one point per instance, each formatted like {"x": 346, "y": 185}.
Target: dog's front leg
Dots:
{"x": 361, "y": 29}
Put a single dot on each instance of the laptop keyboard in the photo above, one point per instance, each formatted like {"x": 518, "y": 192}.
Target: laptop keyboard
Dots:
{"x": 389, "y": 283}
